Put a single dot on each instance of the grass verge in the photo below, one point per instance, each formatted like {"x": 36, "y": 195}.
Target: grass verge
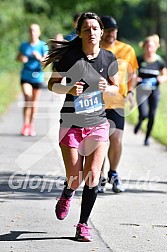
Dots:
{"x": 9, "y": 89}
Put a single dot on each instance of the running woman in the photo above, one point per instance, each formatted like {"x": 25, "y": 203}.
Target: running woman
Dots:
{"x": 31, "y": 54}
{"x": 152, "y": 72}
{"x": 89, "y": 72}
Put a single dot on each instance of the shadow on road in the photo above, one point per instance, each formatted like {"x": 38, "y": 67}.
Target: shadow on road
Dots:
{"x": 13, "y": 236}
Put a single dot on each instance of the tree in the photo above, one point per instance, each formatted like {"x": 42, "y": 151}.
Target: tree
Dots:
{"x": 136, "y": 19}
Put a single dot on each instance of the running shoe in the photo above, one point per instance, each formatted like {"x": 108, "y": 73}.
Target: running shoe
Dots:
{"x": 32, "y": 131}
{"x": 25, "y": 130}
{"x": 62, "y": 207}
{"x": 102, "y": 184}
{"x": 82, "y": 233}
{"x": 146, "y": 142}
{"x": 116, "y": 182}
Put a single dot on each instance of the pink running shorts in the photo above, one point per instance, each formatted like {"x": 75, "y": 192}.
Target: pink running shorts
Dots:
{"x": 72, "y": 137}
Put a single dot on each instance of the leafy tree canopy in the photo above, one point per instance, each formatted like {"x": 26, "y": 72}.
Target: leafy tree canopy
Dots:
{"x": 136, "y": 19}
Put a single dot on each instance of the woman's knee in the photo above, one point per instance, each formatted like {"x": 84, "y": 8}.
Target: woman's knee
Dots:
{"x": 92, "y": 178}
{"x": 28, "y": 97}
{"x": 74, "y": 181}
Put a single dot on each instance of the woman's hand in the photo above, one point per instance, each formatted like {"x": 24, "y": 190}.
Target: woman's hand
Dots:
{"x": 77, "y": 89}
{"x": 106, "y": 88}
{"x": 130, "y": 98}
{"x": 22, "y": 58}
{"x": 139, "y": 79}
{"x": 103, "y": 84}
{"x": 37, "y": 55}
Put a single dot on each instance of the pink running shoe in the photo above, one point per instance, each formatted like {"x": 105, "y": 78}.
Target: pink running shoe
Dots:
{"x": 62, "y": 207}
{"x": 32, "y": 131}
{"x": 82, "y": 233}
{"x": 25, "y": 130}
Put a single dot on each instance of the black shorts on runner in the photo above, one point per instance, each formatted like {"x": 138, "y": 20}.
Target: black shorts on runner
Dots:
{"x": 116, "y": 118}
{"x": 34, "y": 85}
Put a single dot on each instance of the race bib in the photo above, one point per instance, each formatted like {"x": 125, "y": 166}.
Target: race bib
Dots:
{"x": 88, "y": 102}
{"x": 149, "y": 83}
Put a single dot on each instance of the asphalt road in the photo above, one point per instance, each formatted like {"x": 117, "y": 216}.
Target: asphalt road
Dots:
{"x": 31, "y": 178}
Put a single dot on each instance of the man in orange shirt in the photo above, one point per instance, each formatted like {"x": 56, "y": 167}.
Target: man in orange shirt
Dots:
{"x": 127, "y": 63}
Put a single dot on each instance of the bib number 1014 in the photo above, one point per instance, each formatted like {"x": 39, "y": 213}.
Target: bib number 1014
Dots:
{"x": 87, "y": 103}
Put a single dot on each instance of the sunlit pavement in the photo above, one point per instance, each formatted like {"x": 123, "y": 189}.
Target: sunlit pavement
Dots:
{"x": 32, "y": 175}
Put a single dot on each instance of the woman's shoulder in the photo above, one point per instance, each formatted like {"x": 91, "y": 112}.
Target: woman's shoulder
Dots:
{"x": 160, "y": 59}
{"x": 41, "y": 42}
{"x": 24, "y": 45}
{"x": 107, "y": 54}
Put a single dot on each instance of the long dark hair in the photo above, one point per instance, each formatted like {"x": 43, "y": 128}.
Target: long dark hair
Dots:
{"x": 60, "y": 47}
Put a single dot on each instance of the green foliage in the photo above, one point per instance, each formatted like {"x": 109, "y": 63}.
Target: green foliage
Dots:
{"x": 135, "y": 18}
{"x": 9, "y": 89}
{"x": 159, "y": 130}
{"x": 38, "y": 6}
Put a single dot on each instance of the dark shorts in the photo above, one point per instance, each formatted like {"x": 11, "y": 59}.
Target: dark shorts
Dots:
{"x": 116, "y": 118}
{"x": 34, "y": 85}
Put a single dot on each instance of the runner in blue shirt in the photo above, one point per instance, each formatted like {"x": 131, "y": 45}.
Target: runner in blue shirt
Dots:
{"x": 31, "y": 54}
